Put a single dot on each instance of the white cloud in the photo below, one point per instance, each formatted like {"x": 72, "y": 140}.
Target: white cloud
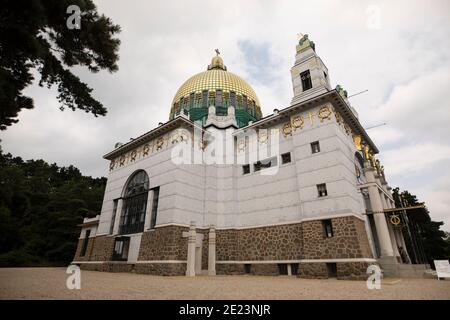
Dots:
{"x": 411, "y": 159}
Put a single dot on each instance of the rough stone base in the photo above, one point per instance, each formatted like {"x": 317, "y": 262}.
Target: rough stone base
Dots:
{"x": 313, "y": 270}
{"x": 345, "y": 270}
{"x": 353, "y": 270}
{"x": 107, "y": 267}
{"x": 259, "y": 269}
{"x": 161, "y": 269}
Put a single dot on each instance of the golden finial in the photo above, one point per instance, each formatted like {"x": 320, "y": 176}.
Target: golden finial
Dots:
{"x": 217, "y": 62}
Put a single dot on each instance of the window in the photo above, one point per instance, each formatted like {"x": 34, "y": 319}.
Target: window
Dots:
{"x": 134, "y": 204}
{"x": 315, "y": 147}
{"x": 121, "y": 247}
{"x": 263, "y": 164}
{"x": 233, "y": 98}
{"x": 85, "y": 243}
{"x": 218, "y": 98}
{"x": 327, "y": 228}
{"x": 154, "y": 207}
{"x": 322, "y": 190}
{"x": 191, "y": 101}
{"x": 306, "y": 80}
{"x": 247, "y": 268}
{"x": 205, "y": 98}
{"x": 294, "y": 268}
{"x": 286, "y": 158}
{"x": 332, "y": 270}
{"x": 113, "y": 217}
{"x": 282, "y": 269}
{"x": 244, "y": 102}
{"x": 245, "y": 169}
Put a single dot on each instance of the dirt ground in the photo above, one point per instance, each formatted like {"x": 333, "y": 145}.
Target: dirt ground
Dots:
{"x": 50, "y": 283}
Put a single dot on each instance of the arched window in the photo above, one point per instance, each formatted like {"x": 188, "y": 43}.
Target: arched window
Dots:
{"x": 134, "y": 203}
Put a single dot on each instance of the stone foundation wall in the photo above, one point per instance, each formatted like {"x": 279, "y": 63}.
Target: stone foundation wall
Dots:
{"x": 162, "y": 269}
{"x": 316, "y": 270}
{"x": 345, "y": 270}
{"x": 352, "y": 270}
{"x": 349, "y": 239}
{"x": 299, "y": 241}
{"x": 103, "y": 248}
{"x": 98, "y": 249}
{"x": 261, "y": 269}
{"x": 88, "y": 253}
{"x": 107, "y": 267}
{"x": 165, "y": 243}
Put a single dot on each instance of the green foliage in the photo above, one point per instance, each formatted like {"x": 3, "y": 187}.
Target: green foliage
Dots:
{"x": 40, "y": 207}
{"x": 435, "y": 241}
{"x": 34, "y": 37}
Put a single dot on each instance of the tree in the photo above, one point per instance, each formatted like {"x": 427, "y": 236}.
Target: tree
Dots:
{"x": 41, "y": 205}
{"x": 34, "y": 36}
{"x": 435, "y": 241}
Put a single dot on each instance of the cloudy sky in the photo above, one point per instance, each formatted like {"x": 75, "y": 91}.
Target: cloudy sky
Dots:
{"x": 398, "y": 50}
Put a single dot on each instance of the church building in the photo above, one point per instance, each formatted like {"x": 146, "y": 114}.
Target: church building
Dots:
{"x": 222, "y": 189}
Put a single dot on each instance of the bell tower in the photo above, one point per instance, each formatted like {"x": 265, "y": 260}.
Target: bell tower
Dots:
{"x": 309, "y": 74}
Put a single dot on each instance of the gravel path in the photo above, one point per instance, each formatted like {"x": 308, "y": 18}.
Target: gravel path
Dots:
{"x": 50, "y": 283}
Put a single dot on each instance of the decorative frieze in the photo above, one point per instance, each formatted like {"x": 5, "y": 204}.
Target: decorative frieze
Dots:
{"x": 153, "y": 146}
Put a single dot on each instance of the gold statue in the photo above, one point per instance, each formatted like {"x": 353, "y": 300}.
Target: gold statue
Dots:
{"x": 357, "y": 142}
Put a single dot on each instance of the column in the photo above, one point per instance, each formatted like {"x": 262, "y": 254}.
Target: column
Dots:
{"x": 148, "y": 210}
{"x": 378, "y": 215}
{"x": 190, "y": 265}
{"x": 212, "y": 251}
{"x": 118, "y": 216}
{"x": 385, "y": 202}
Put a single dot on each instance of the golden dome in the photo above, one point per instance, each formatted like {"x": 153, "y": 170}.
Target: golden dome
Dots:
{"x": 219, "y": 88}
{"x": 216, "y": 79}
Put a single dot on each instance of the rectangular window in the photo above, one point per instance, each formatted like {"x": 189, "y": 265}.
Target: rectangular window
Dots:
{"x": 133, "y": 214}
{"x": 191, "y": 101}
{"x": 322, "y": 190}
{"x": 85, "y": 243}
{"x": 154, "y": 207}
{"x": 315, "y": 147}
{"x": 306, "y": 80}
{"x": 113, "y": 217}
{"x": 247, "y": 268}
{"x": 327, "y": 228}
{"x": 286, "y": 158}
{"x": 205, "y": 98}
{"x": 233, "y": 99}
{"x": 245, "y": 169}
{"x": 263, "y": 164}
{"x": 332, "y": 270}
{"x": 121, "y": 247}
{"x": 244, "y": 103}
{"x": 282, "y": 269}
{"x": 218, "y": 98}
